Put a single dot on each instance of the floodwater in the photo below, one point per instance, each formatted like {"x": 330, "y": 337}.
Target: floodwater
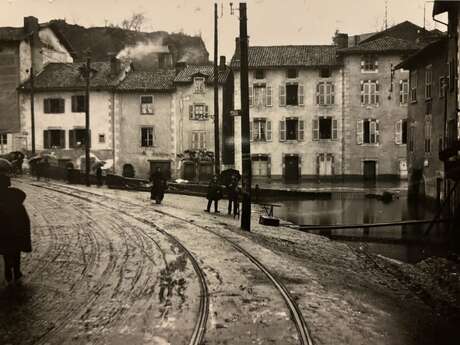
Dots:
{"x": 405, "y": 243}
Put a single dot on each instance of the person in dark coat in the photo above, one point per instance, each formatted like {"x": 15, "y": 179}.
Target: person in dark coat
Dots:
{"x": 158, "y": 188}
{"x": 14, "y": 228}
{"x": 99, "y": 175}
{"x": 232, "y": 191}
{"x": 214, "y": 194}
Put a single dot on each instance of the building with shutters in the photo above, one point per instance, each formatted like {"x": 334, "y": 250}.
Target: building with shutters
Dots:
{"x": 295, "y": 112}
{"x": 34, "y": 45}
{"x": 376, "y": 99}
{"x": 194, "y": 118}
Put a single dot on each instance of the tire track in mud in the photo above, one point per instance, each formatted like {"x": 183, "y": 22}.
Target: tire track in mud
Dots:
{"x": 303, "y": 333}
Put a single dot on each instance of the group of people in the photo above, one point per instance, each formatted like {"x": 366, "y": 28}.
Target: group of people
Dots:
{"x": 215, "y": 193}
{"x": 14, "y": 228}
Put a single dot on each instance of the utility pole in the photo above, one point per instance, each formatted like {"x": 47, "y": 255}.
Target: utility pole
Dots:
{"x": 245, "y": 131}
{"x": 87, "y": 131}
{"x": 32, "y": 108}
{"x": 216, "y": 97}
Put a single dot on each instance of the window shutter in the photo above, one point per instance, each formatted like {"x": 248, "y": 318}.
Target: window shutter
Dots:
{"x": 206, "y": 111}
{"x": 269, "y": 130}
{"x": 377, "y": 132}
{"x": 301, "y": 130}
{"x": 74, "y": 106}
{"x": 398, "y": 132}
{"x": 251, "y": 95}
{"x": 317, "y": 93}
{"x": 359, "y": 132}
{"x": 300, "y": 94}
{"x": 315, "y": 129}
{"x": 71, "y": 138}
{"x": 332, "y": 93}
{"x": 62, "y": 139}
{"x": 251, "y": 130}
{"x": 194, "y": 141}
{"x": 190, "y": 111}
{"x": 334, "y": 129}
{"x": 282, "y": 95}
{"x": 47, "y": 106}
{"x": 46, "y": 139}
{"x": 282, "y": 130}
{"x": 362, "y": 92}
{"x": 268, "y": 100}
{"x": 61, "y": 106}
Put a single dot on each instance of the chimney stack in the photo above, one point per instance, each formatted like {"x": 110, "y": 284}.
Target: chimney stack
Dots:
{"x": 222, "y": 63}
{"x": 341, "y": 40}
{"x": 115, "y": 65}
{"x": 31, "y": 25}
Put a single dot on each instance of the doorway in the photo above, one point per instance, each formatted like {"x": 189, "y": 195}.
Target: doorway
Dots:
{"x": 189, "y": 171}
{"x": 165, "y": 167}
{"x": 370, "y": 170}
{"x": 325, "y": 162}
{"x": 291, "y": 168}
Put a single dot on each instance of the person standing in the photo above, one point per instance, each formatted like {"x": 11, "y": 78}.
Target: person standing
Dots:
{"x": 99, "y": 175}
{"x": 14, "y": 228}
{"x": 158, "y": 188}
{"x": 232, "y": 191}
{"x": 214, "y": 194}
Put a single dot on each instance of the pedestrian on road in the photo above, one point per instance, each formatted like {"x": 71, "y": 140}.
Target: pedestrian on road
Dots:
{"x": 14, "y": 228}
{"x": 45, "y": 164}
{"x": 233, "y": 199}
{"x": 99, "y": 175}
{"x": 159, "y": 184}
{"x": 214, "y": 194}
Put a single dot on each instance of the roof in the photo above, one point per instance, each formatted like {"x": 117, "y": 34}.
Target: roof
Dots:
{"x": 10, "y": 34}
{"x": 433, "y": 50}
{"x": 160, "y": 80}
{"x": 186, "y": 75}
{"x": 62, "y": 76}
{"x": 382, "y": 44}
{"x": 441, "y": 6}
{"x": 405, "y": 30}
{"x": 289, "y": 56}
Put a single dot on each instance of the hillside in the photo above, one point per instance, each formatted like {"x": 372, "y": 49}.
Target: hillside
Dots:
{"x": 105, "y": 40}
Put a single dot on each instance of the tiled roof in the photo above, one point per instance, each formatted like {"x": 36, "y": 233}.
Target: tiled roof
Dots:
{"x": 186, "y": 75}
{"x": 160, "y": 80}
{"x": 434, "y": 50}
{"x": 289, "y": 56}
{"x": 12, "y": 34}
{"x": 68, "y": 76}
{"x": 383, "y": 44}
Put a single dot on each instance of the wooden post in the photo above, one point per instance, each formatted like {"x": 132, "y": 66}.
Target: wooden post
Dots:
{"x": 216, "y": 97}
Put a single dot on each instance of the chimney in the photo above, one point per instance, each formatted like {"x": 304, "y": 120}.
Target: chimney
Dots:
{"x": 115, "y": 65}
{"x": 180, "y": 65}
{"x": 31, "y": 25}
{"x": 222, "y": 63}
{"x": 341, "y": 40}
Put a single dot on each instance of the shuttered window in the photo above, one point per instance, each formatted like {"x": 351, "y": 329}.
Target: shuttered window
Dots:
{"x": 413, "y": 86}
{"x": 54, "y": 105}
{"x": 370, "y": 92}
{"x": 54, "y": 139}
{"x": 146, "y": 105}
{"x": 325, "y": 93}
{"x": 403, "y": 91}
{"x": 198, "y": 140}
{"x": 147, "y": 136}
{"x": 77, "y": 137}
{"x": 292, "y": 129}
{"x": 78, "y": 104}
{"x": 367, "y": 131}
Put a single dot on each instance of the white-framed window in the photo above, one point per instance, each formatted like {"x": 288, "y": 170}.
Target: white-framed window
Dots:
{"x": 260, "y": 95}
{"x": 325, "y": 93}
{"x": 370, "y": 92}
{"x": 291, "y": 128}
{"x": 146, "y": 104}
{"x": 198, "y": 111}
{"x": 428, "y": 130}
{"x": 403, "y": 92}
{"x": 261, "y": 129}
{"x": 198, "y": 83}
{"x": 368, "y": 132}
{"x": 369, "y": 64}
{"x": 324, "y": 128}
{"x": 4, "y": 139}
{"x": 147, "y": 136}
{"x": 413, "y": 86}
{"x": 199, "y": 140}
{"x": 401, "y": 132}
{"x": 291, "y": 94}
{"x": 428, "y": 81}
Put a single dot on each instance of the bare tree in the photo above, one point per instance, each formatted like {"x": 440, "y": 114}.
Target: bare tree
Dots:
{"x": 134, "y": 23}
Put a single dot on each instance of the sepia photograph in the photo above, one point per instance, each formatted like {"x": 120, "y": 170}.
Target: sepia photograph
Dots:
{"x": 216, "y": 172}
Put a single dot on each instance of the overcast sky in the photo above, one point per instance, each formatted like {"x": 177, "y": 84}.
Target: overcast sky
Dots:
{"x": 270, "y": 22}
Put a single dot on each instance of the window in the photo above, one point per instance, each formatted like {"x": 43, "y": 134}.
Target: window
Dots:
{"x": 198, "y": 112}
{"x": 412, "y": 137}
{"x": 325, "y": 72}
{"x": 292, "y": 73}
{"x": 413, "y": 86}
{"x": 442, "y": 80}
{"x": 77, "y": 137}
{"x": 401, "y": 132}
{"x": 101, "y": 138}
{"x": 292, "y": 129}
{"x": 54, "y": 139}
{"x": 260, "y": 95}
{"x": 146, "y": 104}
{"x": 370, "y": 92}
{"x": 259, "y": 74}
{"x": 325, "y": 93}
{"x": 428, "y": 82}
{"x": 260, "y": 165}
{"x": 199, "y": 84}
{"x": 428, "y": 129}
{"x": 428, "y": 107}
{"x": 4, "y": 139}
{"x": 78, "y": 104}
{"x": 147, "y": 136}
{"x": 261, "y": 130}
{"x": 369, "y": 63}
{"x": 199, "y": 140}
{"x": 403, "y": 91}
{"x": 291, "y": 94}
{"x": 368, "y": 132}
{"x": 324, "y": 128}
{"x": 54, "y": 105}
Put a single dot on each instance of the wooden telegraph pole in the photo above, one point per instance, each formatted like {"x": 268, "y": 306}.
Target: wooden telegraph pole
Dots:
{"x": 32, "y": 109}
{"x": 245, "y": 142}
{"x": 216, "y": 97}
{"x": 87, "y": 131}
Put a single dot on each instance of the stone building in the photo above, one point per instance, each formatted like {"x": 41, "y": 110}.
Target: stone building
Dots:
{"x": 34, "y": 45}
{"x": 425, "y": 122}
{"x": 295, "y": 111}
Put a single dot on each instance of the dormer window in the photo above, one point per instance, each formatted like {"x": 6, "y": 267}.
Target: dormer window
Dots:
{"x": 259, "y": 74}
{"x": 292, "y": 73}
{"x": 199, "y": 84}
